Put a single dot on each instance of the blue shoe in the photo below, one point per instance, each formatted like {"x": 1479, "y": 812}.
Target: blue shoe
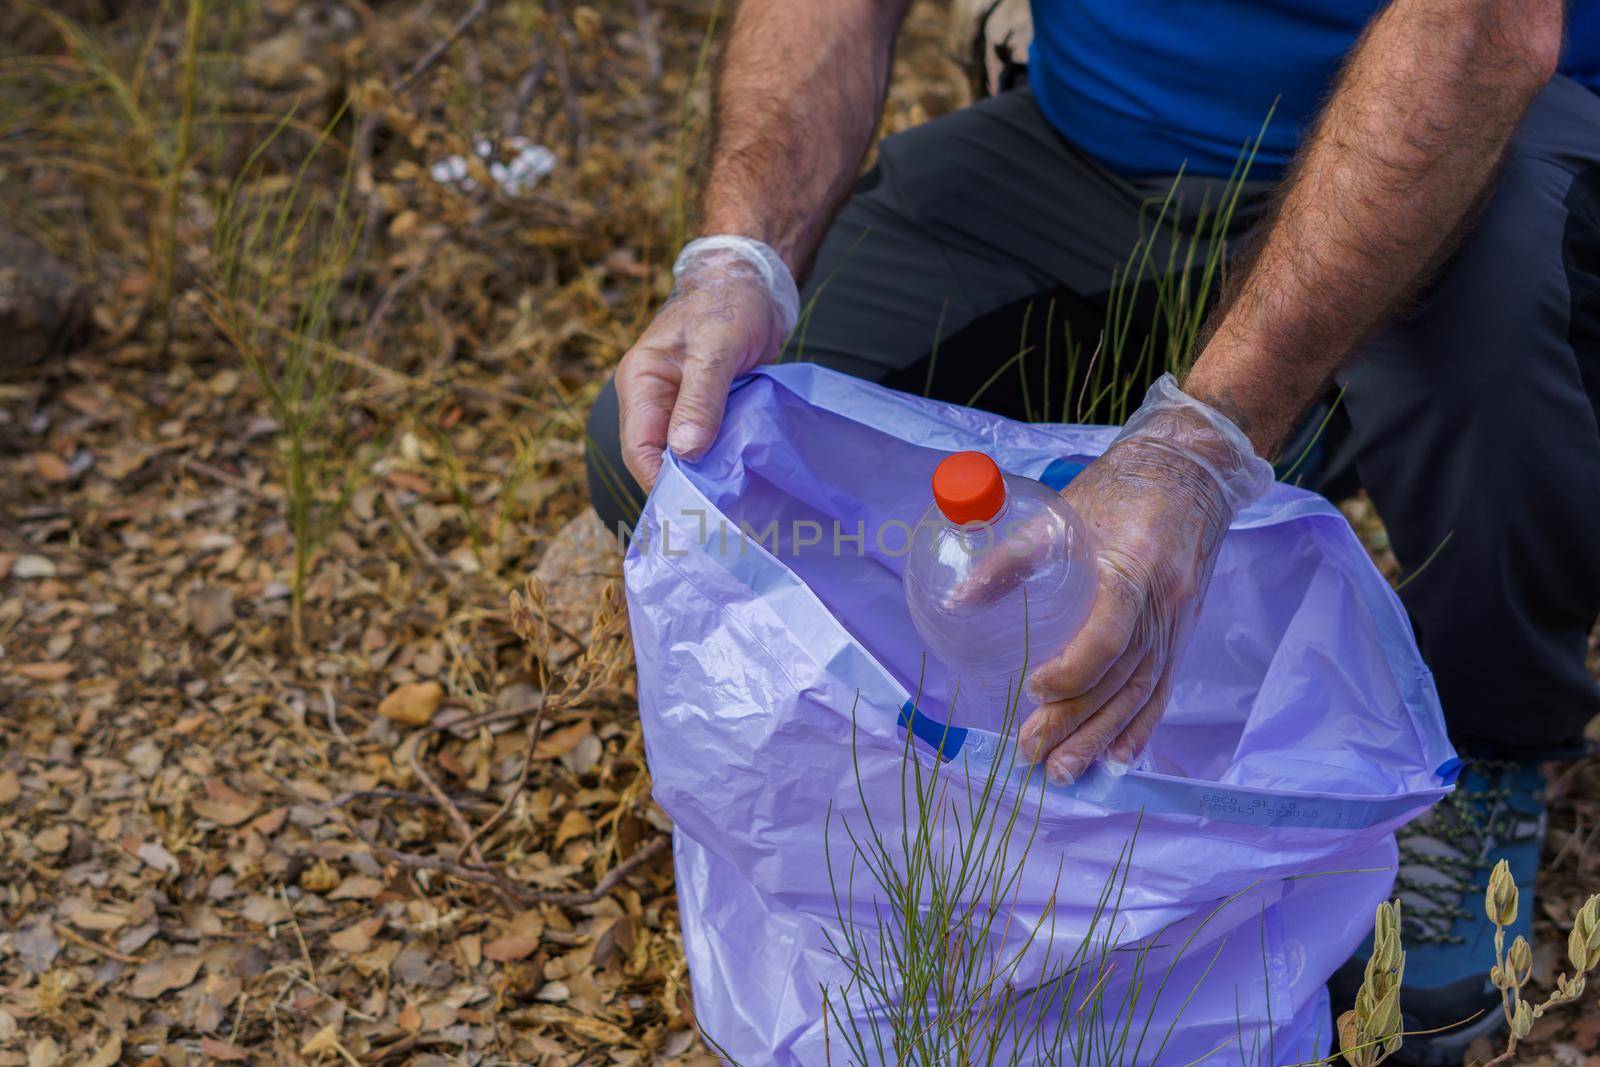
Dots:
{"x": 1496, "y": 812}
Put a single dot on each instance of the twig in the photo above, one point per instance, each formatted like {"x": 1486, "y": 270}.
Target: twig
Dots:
{"x": 395, "y": 794}
{"x": 299, "y": 935}
{"x": 94, "y": 946}
{"x": 527, "y": 85}
{"x": 488, "y": 718}
{"x": 451, "y": 811}
{"x": 522, "y": 783}
{"x": 367, "y": 125}
{"x": 483, "y": 875}
{"x": 606, "y": 884}
{"x": 386, "y": 299}
{"x": 441, "y": 46}
{"x": 486, "y": 874}
{"x": 577, "y": 132}
{"x": 333, "y": 717}
{"x": 413, "y": 538}
{"x": 200, "y": 466}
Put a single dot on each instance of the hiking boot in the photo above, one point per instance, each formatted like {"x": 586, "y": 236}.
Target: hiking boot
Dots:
{"x": 1496, "y": 813}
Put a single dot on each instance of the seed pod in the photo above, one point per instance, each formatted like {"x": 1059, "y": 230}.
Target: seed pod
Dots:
{"x": 1583, "y": 944}
{"x": 1522, "y": 1019}
{"x": 1375, "y": 1022}
{"x": 1500, "y": 901}
{"x": 1353, "y": 1043}
{"x": 1519, "y": 962}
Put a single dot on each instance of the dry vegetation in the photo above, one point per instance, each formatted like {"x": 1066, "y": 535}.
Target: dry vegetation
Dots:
{"x": 410, "y": 821}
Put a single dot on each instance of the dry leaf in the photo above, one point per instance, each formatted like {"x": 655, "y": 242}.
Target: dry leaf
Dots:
{"x": 27, "y": 566}
{"x": 573, "y": 824}
{"x": 44, "y": 1053}
{"x": 265, "y": 910}
{"x": 10, "y": 786}
{"x": 50, "y": 671}
{"x": 154, "y": 855}
{"x": 223, "y": 1050}
{"x": 164, "y": 974}
{"x": 36, "y": 945}
{"x": 412, "y": 704}
{"x": 54, "y": 839}
{"x": 223, "y": 805}
{"x": 357, "y": 937}
{"x": 323, "y": 1042}
{"x": 51, "y": 467}
{"x": 271, "y": 822}
{"x": 562, "y": 741}
{"x": 210, "y": 609}
{"x": 109, "y": 1054}
{"x": 86, "y": 917}
{"x": 357, "y": 887}
{"x": 505, "y": 949}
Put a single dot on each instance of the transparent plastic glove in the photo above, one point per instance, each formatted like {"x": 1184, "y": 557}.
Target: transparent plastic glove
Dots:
{"x": 1156, "y": 505}
{"x": 732, "y": 304}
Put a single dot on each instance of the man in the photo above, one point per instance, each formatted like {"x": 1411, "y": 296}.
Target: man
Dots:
{"x": 1427, "y": 236}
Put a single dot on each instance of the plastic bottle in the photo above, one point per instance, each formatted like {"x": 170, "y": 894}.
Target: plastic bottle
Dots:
{"x": 999, "y": 574}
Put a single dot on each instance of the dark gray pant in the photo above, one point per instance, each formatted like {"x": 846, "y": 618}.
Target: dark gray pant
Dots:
{"x": 1472, "y": 423}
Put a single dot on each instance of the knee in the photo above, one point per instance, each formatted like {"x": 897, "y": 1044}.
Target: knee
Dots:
{"x": 613, "y": 493}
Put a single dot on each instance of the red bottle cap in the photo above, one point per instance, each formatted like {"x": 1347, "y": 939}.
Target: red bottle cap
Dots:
{"x": 968, "y": 488}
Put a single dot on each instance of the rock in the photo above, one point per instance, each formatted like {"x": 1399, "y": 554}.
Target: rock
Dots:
{"x": 43, "y": 304}
{"x": 277, "y": 61}
{"x": 412, "y": 704}
{"x": 987, "y": 34}
{"x": 575, "y": 567}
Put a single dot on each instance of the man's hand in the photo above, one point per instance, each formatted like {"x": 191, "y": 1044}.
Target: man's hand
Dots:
{"x": 1156, "y": 506}
{"x": 798, "y": 95}
{"x": 1405, "y": 147}
{"x": 729, "y": 312}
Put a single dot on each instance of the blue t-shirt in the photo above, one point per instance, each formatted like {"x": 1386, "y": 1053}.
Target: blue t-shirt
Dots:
{"x": 1146, "y": 85}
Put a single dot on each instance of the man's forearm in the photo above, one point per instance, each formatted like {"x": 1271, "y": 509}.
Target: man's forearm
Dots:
{"x": 797, "y": 100}
{"x": 1402, "y": 153}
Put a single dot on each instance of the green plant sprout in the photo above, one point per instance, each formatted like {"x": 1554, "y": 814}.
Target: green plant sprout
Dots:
{"x": 280, "y": 266}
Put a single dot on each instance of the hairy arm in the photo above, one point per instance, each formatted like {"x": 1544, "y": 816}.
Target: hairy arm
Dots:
{"x": 1404, "y": 151}
{"x": 797, "y": 100}
{"x": 1405, "y": 148}
{"x": 798, "y": 96}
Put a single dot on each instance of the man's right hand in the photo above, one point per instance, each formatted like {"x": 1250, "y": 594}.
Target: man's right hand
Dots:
{"x": 727, "y": 314}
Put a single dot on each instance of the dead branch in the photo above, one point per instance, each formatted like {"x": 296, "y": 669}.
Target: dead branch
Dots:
{"x": 490, "y": 875}
{"x": 511, "y": 799}
{"x": 432, "y": 56}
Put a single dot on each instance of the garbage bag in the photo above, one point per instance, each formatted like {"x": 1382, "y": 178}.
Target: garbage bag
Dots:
{"x": 781, "y": 683}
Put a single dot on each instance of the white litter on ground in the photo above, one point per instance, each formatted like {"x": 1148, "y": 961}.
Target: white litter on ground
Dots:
{"x": 531, "y": 162}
